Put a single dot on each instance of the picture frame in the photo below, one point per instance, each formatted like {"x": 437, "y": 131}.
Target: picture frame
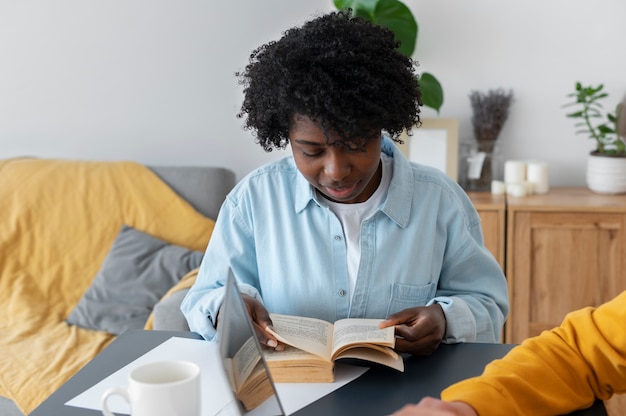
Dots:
{"x": 435, "y": 143}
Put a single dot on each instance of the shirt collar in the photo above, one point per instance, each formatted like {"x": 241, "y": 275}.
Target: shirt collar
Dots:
{"x": 397, "y": 205}
{"x": 305, "y": 193}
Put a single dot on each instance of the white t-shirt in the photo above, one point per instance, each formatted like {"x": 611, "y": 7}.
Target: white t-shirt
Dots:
{"x": 352, "y": 215}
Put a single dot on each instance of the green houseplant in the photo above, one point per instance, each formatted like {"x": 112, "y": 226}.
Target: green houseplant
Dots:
{"x": 396, "y": 16}
{"x": 606, "y": 166}
{"x": 588, "y": 100}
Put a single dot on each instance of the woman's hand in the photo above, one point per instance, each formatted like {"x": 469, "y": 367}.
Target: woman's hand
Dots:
{"x": 261, "y": 320}
{"x": 429, "y": 406}
{"x": 420, "y": 329}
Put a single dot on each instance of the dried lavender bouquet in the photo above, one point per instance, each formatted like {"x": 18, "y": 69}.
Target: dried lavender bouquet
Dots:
{"x": 490, "y": 111}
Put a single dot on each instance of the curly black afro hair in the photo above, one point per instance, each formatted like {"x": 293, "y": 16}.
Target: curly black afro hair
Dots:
{"x": 341, "y": 71}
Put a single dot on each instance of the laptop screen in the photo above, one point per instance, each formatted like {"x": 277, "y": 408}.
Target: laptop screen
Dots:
{"x": 243, "y": 359}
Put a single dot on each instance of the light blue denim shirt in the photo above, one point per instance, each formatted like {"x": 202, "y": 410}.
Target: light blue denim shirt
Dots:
{"x": 423, "y": 245}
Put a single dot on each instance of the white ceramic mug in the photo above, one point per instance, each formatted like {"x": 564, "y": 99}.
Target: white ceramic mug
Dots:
{"x": 162, "y": 388}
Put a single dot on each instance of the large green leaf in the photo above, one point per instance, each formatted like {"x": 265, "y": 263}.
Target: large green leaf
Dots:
{"x": 392, "y": 14}
{"x": 432, "y": 93}
{"x": 396, "y": 16}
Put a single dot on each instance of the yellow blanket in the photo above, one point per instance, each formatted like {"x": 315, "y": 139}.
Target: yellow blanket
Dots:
{"x": 58, "y": 219}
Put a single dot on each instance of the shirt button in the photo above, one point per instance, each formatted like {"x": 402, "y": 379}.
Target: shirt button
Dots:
{"x": 337, "y": 237}
{"x": 342, "y": 293}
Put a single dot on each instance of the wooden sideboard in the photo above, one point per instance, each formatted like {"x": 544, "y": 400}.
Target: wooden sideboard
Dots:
{"x": 492, "y": 211}
{"x": 566, "y": 250}
{"x": 560, "y": 251}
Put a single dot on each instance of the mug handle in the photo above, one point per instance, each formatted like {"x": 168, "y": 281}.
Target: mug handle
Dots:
{"x": 112, "y": 392}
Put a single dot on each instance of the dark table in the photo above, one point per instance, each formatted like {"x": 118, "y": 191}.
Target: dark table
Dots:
{"x": 378, "y": 392}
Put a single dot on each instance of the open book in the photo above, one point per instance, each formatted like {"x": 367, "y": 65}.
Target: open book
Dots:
{"x": 315, "y": 345}
{"x": 248, "y": 376}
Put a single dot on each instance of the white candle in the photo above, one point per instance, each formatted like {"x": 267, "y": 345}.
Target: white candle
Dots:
{"x": 498, "y": 187}
{"x": 537, "y": 173}
{"x": 516, "y": 189}
{"x": 529, "y": 186}
{"x": 514, "y": 171}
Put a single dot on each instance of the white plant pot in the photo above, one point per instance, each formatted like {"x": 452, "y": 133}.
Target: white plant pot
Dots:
{"x": 606, "y": 174}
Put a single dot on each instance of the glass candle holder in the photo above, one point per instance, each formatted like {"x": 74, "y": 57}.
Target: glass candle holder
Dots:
{"x": 482, "y": 162}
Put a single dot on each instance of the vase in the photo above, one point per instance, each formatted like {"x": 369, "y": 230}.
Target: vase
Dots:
{"x": 606, "y": 174}
{"x": 483, "y": 164}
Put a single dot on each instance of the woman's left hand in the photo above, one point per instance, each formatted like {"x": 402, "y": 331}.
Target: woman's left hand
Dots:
{"x": 420, "y": 329}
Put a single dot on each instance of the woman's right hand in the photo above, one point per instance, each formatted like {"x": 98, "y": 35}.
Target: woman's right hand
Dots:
{"x": 261, "y": 320}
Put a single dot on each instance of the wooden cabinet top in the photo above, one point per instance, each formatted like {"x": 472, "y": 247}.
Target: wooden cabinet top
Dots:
{"x": 487, "y": 201}
{"x": 570, "y": 199}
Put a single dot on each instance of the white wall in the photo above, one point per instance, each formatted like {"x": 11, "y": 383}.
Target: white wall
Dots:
{"x": 153, "y": 80}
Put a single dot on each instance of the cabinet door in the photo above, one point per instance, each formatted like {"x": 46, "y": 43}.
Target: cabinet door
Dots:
{"x": 558, "y": 262}
{"x": 491, "y": 209}
{"x": 493, "y": 233}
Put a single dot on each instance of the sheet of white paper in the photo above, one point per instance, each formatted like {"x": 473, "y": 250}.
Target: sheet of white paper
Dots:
{"x": 294, "y": 396}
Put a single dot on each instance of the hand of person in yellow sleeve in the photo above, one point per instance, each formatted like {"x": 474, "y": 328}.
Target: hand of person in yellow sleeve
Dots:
{"x": 429, "y": 406}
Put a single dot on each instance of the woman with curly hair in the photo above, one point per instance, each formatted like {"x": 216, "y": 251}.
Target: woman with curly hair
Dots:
{"x": 346, "y": 226}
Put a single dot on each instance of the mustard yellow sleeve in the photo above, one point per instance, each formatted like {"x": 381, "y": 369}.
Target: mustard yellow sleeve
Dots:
{"x": 556, "y": 372}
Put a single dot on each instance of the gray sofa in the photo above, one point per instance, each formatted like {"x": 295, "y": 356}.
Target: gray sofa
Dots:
{"x": 186, "y": 181}
{"x": 205, "y": 188}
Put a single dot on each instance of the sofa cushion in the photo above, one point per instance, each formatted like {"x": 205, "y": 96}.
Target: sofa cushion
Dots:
{"x": 167, "y": 313}
{"x": 137, "y": 271}
{"x": 203, "y": 187}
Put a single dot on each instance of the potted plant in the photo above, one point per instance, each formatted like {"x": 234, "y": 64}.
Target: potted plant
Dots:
{"x": 606, "y": 166}
{"x": 396, "y": 16}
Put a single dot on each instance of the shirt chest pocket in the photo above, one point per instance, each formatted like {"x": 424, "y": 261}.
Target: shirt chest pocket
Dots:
{"x": 408, "y": 296}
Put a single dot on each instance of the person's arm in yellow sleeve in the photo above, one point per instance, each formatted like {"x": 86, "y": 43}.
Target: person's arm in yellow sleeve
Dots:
{"x": 557, "y": 372}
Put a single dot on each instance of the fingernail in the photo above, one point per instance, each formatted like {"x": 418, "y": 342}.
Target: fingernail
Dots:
{"x": 272, "y": 343}
{"x": 279, "y": 348}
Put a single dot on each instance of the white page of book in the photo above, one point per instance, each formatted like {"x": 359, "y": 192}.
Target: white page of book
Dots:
{"x": 214, "y": 384}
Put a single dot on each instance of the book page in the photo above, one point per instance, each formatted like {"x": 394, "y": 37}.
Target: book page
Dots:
{"x": 393, "y": 360}
{"x": 244, "y": 361}
{"x": 309, "y": 334}
{"x": 256, "y": 388}
{"x": 290, "y": 354}
{"x": 353, "y": 331}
